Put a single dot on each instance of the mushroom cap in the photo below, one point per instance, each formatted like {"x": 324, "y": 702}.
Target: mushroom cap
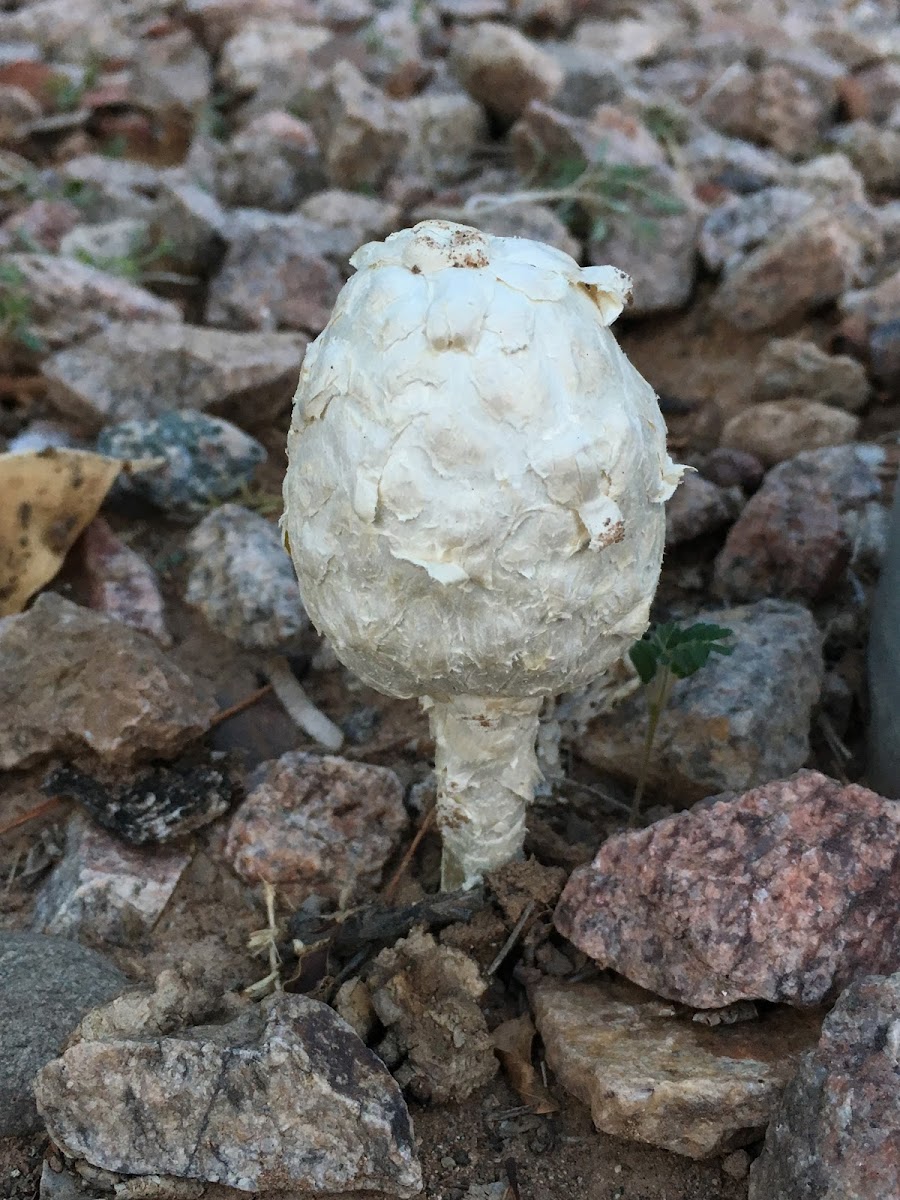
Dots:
{"x": 475, "y": 494}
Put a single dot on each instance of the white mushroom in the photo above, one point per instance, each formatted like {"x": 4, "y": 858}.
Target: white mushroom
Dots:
{"x": 474, "y": 501}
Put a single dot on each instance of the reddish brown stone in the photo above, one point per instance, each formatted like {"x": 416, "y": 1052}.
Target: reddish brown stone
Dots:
{"x": 787, "y": 893}
{"x": 789, "y": 542}
{"x": 324, "y": 825}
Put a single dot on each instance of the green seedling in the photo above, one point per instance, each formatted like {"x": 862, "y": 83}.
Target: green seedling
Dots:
{"x": 665, "y": 654}
{"x": 16, "y": 310}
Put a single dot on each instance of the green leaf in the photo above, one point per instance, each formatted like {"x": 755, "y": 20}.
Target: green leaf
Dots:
{"x": 644, "y": 656}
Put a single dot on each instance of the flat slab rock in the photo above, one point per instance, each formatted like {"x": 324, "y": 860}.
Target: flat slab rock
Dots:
{"x": 739, "y": 722}
{"x": 78, "y": 684}
{"x": 650, "y": 1075}
{"x": 59, "y": 980}
{"x": 836, "y": 1132}
{"x": 284, "y": 1097}
{"x": 786, "y": 893}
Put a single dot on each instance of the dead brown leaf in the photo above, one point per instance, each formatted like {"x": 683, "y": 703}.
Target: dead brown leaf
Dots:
{"x": 49, "y": 497}
{"x": 512, "y": 1042}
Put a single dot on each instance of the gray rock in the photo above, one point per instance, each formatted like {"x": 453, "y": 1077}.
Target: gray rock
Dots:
{"x": 98, "y": 245}
{"x": 837, "y": 1129}
{"x": 261, "y": 48}
{"x": 699, "y": 506}
{"x": 502, "y": 69}
{"x": 774, "y": 106}
{"x": 738, "y": 722}
{"x": 242, "y": 580}
{"x": 46, "y": 986}
{"x": 274, "y": 162}
{"x": 206, "y": 459}
{"x": 874, "y": 152}
{"x": 284, "y": 1097}
{"x": 350, "y": 219}
{"x": 652, "y": 1077}
{"x": 884, "y": 668}
{"x": 445, "y": 132}
{"x": 105, "y": 891}
{"x": 793, "y": 367}
{"x": 189, "y": 224}
{"x": 63, "y": 301}
{"x": 274, "y": 278}
{"x": 137, "y": 371}
{"x": 77, "y": 684}
{"x": 742, "y": 223}
{"x": 362, "y": 131}
{"x": 172, "y": 73}
{"x": 107, "y": 188}
{"x": 777, "y": 430}
{"x": 711, "y": 157}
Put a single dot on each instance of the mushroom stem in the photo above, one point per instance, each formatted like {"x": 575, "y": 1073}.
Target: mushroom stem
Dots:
{"x": 487, "y": 771}
{"x": 298, "y": 705}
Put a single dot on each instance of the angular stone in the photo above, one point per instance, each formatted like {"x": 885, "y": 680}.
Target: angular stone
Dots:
{"x": 736, "y": 227}
{"x": 733, "y": 468}
{"x": 205, "y": 459}
{"x": 272, "y": 279}
{"x": 362, "y": 132}
{"x": 284, "y": 1097}
{"x": 874, "y": 152}
{"x": 797, "y": 368}
{"x": 106, "y": 242}
{"x": 533, "y": 221}
{"x": 68, "y": 301}
{"x": 774, "y": 106}
{"x": 776, "y": 430}
{"x": 45, "y": 222}
{"x": 445, "y": 131}
{"x": 652, "y": 1076}
{"x": 274, "y": 162}
{"x": 739, "y": 166}
{"x": 59, "y": 980}
{"x": 121, "y": 584}
{"x": 697, "y": 507}
{"x": 242, "y": 580}
{"x": 502, "y": 69}
{"x": 426, "y": 995}
{"x": 105, "y": 891}
{"x": 171, "y": 74}
{"x": 190, "y": 225}
{"x": 795, "y": 535}
{"x": 77, "y": 684}
{"x": 837, "y": 1129}
{"x": 350, "y": 219}
{"x": 262, "y": 46}
{"x": 317, "y": 824}
{"x": 785, "y": 893}
{"x": 812, "y": 263}
{"x": 137, "y": 371}
{"x": 738, "y": 722}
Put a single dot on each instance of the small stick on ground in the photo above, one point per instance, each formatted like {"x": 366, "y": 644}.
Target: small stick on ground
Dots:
{"x": 233, "y": 710}
{"x": 38, "y": 811}
{"x": 393, "y": 882}
{"x": 513, "y": 937}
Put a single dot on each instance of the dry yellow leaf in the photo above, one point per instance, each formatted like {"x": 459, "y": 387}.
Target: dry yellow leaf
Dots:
{"x": 512, "y": 1042}
{"x": 47, "y": 498}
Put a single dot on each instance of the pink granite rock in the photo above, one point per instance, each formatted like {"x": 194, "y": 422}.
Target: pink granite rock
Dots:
{"x": 323, "y": 825}
{"x": 121, "y": 584}
{"x": 786, "y": 893}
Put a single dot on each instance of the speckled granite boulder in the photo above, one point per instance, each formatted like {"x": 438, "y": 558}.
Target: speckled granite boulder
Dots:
{"x": 206, "y": 459}
{"x": 837, "y": 1130}
{"x": 787, "y": 893}
{"x": 283, "y": 1098}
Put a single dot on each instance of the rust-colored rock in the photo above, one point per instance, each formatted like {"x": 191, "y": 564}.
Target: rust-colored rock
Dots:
{"x": 323, "y": 825}
{"x": 78, "y": 684}
{"x": 787, "y": 893}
